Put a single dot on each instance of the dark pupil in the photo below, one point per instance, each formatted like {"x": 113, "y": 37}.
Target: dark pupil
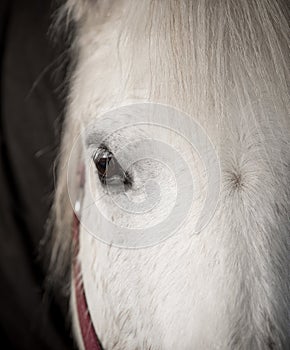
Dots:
{"x": 109, "y": 168}
{"x": 102, "y": 165}
{"x": 106, "y": 165}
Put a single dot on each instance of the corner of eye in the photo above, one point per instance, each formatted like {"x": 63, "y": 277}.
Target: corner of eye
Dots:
{"x": 128, "y": 180}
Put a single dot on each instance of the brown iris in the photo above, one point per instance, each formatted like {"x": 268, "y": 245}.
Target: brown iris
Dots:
{"x": 109, "y": 170}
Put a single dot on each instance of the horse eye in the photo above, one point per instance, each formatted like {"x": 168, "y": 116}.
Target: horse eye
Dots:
{"x": 108, "y": 168}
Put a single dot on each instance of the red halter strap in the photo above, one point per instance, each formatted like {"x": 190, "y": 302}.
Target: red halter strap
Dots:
{"x": 90, "y": 339}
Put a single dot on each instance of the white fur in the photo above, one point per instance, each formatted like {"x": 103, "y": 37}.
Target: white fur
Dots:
{"x": 224, "y": 63}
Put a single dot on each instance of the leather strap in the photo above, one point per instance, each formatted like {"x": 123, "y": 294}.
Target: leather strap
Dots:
{"x": 89, "y": 336}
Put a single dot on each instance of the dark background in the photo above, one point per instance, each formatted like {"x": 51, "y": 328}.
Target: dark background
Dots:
{"x": 32, "y": 71}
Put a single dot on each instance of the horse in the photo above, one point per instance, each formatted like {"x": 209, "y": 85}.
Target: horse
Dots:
{"x": 171, "y": 213}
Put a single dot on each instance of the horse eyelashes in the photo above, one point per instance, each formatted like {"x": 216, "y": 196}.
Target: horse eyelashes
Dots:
{"x": 109, "y": 170}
